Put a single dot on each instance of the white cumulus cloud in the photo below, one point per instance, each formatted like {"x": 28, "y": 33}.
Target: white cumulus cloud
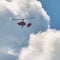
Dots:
{"x": 27, "y": 9}
{"x": 41, "y": 46}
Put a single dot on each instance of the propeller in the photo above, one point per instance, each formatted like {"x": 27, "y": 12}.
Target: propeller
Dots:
{"x": 23, "y": 18}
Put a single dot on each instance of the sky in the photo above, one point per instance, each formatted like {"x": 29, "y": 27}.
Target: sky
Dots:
{"x": 52, "y": 8}
{"x": 41, "y": 41}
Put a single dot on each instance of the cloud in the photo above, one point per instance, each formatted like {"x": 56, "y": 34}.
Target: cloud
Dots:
{"x": 7, "y": 53}
{"x": 42, "y": 46}
{"x": 29, "y": 8}
{"x": 23, "y": 8}
{"x": 12, "y": 35}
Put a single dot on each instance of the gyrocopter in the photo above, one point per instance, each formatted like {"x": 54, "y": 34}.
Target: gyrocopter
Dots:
{"x": 23, "y": 23}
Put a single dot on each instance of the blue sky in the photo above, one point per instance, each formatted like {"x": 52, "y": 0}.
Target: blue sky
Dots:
{"x": 53, "y": 10}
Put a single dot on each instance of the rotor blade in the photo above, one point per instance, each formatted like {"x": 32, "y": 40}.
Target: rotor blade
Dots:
{"x": 23, "y": 18}
{"x": 30, "y": 18}
{"x": 16, "y": 19}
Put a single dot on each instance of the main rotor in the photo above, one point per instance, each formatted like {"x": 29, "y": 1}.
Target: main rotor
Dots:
{"x": 22, "y": 23}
